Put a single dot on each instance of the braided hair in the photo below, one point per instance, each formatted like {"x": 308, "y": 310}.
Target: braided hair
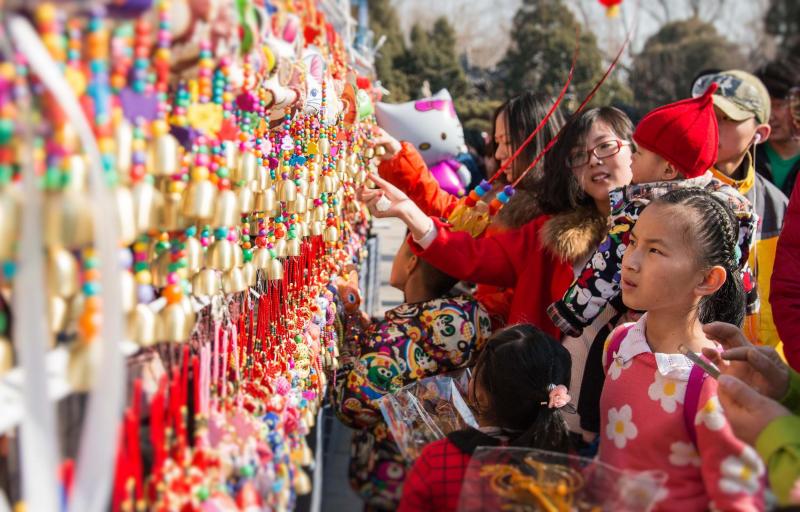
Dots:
{"x": 715, "y": 235}
{"x": 515, "y": 369}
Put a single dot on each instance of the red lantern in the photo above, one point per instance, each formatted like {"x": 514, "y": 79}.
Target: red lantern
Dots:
{"x": 612, "y": 7}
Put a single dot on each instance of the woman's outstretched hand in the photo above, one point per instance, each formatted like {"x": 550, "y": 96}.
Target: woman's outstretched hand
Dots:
{"x": 389, "y": 201}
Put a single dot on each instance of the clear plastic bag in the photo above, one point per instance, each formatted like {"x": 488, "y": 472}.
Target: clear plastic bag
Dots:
{"x": 427, "y": 410}
{"x": 522, "y": 479}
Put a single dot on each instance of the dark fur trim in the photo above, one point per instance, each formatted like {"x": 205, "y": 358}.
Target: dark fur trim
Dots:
{"x": 575, "y": 235}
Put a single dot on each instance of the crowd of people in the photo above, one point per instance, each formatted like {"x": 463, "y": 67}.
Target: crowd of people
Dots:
{"x": 626, "y": 254}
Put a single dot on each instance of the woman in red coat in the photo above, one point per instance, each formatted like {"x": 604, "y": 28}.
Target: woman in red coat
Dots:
{"x": 513, "y": 121}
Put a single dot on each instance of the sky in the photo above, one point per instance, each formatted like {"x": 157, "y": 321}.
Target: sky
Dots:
{"x": 483, "y": 26}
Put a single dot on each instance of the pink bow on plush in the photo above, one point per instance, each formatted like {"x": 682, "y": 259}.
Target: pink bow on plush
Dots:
{"x": 428, "y": 105}
{"x": 559, "y": 396}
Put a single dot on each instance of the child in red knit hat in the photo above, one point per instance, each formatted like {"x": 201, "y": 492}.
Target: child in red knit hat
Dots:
{"x": 676, "y": 146}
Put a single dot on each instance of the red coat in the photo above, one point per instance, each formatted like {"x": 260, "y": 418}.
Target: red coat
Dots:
{"x": 408, "y": 172}
{"x": 513, "y": 259}
{"x": 785, "y": 284}
{"x": 434, "y": 482}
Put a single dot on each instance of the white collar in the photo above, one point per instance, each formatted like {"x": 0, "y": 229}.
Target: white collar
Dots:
{"x": 675, "y": 366}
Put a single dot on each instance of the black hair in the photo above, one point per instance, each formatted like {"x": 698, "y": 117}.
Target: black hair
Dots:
{"x": 714, "y": 232}
{"x": 515, "y": 369}
{"x": 523, "y": 115}
{"x": 559, "y": 190}
{"x": 779, "y": 76}
{"x": 437, "y": 283}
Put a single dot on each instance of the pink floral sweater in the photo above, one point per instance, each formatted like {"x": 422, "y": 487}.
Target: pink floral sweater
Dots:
{"x": 643, "y": 428}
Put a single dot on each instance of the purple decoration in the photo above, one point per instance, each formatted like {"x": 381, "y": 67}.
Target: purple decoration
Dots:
{"x": 128, "y": 8}
{"x": 445, "y": 173}
{"x": 136, "y": 105}
{"x": 145, "y": 294}
{"x": 273, "y": 163}
{"x": 185, "y": 135}
{"x": 509, "y": 190}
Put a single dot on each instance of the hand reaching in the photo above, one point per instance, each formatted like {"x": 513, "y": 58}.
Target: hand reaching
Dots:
{"x": 390, "y": 145}
{"x": 758, "y": 367}
{"x": 389, "y": 201}
{"x": 747, "y": 411}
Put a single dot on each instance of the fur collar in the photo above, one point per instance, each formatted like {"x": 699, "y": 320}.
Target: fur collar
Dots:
{"x": 574, "y": 235}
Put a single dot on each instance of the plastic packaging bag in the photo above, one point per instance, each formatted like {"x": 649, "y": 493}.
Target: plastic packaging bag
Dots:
{"x": 427, "y": 410}
{"x": 524, "y": 479}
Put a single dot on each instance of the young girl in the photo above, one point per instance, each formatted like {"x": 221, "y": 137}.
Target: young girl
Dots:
{"x": 519, "y": 384}
{"x": 657, "y": 410}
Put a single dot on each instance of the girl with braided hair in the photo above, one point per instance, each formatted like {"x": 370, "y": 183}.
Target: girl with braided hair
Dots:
{"x": 658, "y": 412}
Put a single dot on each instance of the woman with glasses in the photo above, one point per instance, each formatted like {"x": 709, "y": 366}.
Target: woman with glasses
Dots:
{"x": 537, "y": 259}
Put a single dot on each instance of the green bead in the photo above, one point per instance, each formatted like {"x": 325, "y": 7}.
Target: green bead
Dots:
{"x": 222, "y": 172}
{"x": 6, "y": 173}
{"x": 162, "y": 246}
{"x": 6, "y": 130}
{"x": 202, "y": 494}
{"x": 3, "y": 322}
{"x": 246, "y": 471}
{"x": 248, "y": 254}
{"x": 90, "y": 263}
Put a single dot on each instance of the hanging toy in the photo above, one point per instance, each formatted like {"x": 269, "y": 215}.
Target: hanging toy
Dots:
{"x": 612, "y": 7}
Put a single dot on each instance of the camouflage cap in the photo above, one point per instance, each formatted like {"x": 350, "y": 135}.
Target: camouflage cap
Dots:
{"x": 740, "y": 95}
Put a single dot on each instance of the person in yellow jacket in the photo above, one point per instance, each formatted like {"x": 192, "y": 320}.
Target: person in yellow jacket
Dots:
{"x": 742, "y": 105}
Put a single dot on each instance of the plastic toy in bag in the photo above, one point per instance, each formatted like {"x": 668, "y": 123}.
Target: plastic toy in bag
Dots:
{"x": 523, "y": 479}
{"x": 427, "y": 410}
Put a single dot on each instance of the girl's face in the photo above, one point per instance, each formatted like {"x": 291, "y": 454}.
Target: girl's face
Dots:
{"x": 599, "y": 176}
{"x": 477, "y": 396}
{"x": 660, "y": 270}
{"x": 503, "y": 141}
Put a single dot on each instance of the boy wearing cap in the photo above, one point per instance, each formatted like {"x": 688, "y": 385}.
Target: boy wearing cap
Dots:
{"x": 676, "y": 145}
{"x": 742, "y": 107}
{"x": 779, "y": 159}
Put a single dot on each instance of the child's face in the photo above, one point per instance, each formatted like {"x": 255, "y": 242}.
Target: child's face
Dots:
{"x": 599, "y": 176}
{"x": 402, "y": 266}
{"x": 648, "y": 167}
{"x": 659, "y": 267}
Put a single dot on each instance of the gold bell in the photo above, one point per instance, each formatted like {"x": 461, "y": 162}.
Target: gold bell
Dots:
{"x": 194, "y": 255}
{"x": 164, "y": 155}
{"x": 172, "y": 218}
{"x": 205, "y": 283}
{"x": 281, "y": 248}
{"x": 6, "y": 355}
{"x": 226, "y": 209}
{"x": 380, "y": 151}
{"x": 264, "y": 179}
{"x": 245, "y": 200}
{"x": 62, "y": 272}
{"x": 81, "y": 365}
{"x": 262, "y": 258}
{"x": 123, "y": 138}
{"x": 300, "y": 204}
{"x": 67, "y": 220}
{"x": 275, "y": 270}
{"x": 247, "y": 169}
{"x": 369, "y": 152}
{"x": 266, "y": 202}
{"x": 319, "y": 214}
{"x": 307, "y": 456}
{"x": 331, "y": 234}
{"x": 238, "y": 255}
{"x": 233, "y": 281}
{"x": 125, "y": 213}
{"x": 231, "y": 153}
{"x": 313, "y": 190}
{"x": 159, "y": 268}
{"x": 288, "y": 191}
{"x": 328, "y": 184}
{"x": 128, "y": 290}
{"x": 341, "y": 166}
{"x": 250, "y": 274}
{"x": 78, "y": 168}
{"x": 57, "y": 314}
{"x": 199, "y": 200}
{"x": 293, "y": 247}
{"x": 324, "y": 146}
{"x": 220, "y": 255}
{"x": 141, "y": 328}
{"x": 147, "y": 202}
{"x": 9, "y": 222}
{"x": 173, "y": 324}
{"x": 316, "y": 228}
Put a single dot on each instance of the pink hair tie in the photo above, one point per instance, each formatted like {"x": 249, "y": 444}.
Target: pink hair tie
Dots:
{"x": 559, "y": 396}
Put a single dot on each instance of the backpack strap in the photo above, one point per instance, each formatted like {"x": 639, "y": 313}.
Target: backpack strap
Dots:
{"x": 616, "y": 342}
{"x": 692, "y": 400}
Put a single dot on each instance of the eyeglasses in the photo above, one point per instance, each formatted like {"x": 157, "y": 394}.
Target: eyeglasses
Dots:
{"x": 600, "y": 151}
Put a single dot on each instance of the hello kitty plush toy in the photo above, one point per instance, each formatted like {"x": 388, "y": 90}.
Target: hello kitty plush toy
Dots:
{"x": 432, "y": 126}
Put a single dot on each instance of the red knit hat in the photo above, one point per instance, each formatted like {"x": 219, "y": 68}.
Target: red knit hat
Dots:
{"x": 684, "y": 133}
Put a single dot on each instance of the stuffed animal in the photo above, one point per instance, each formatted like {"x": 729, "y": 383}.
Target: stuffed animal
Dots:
{"x": 432, "y": 126}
